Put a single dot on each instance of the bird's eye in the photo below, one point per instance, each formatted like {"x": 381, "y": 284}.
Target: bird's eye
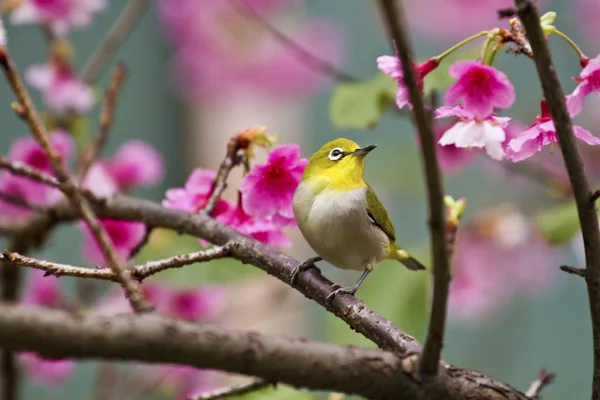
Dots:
{"x": 335, "y": 154}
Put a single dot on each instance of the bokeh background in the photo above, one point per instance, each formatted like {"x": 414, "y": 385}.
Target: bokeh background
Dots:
{"x": 199, "y": 71}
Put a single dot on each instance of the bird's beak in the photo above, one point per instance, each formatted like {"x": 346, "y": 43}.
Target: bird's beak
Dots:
{"x": 363, "y": 151}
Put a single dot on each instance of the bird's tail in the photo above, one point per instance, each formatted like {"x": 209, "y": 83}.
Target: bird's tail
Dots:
{"x": 396, "y": 253}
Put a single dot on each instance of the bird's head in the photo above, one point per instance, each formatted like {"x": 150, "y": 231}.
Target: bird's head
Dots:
{"x": 341, "y": 162}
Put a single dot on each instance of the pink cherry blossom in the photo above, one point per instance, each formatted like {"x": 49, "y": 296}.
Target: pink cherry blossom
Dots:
{"x": 392, "y": 66}
{"x": 498, "y": 257}
{"x": 480, "y": 87}
{"x": 42, "y": 290}
{"x": 99, "y": 181}
{"x": 589, "y": 82}
{"x": 542, "y": 133}
{"x": 219, "y": 51}
{"x": 44, "y": 371}
{"x": 125, "y": 235}
{"x": 264, "y": 231}
{"x": 195, "y": 194}
{"x": 194, "y": 304}
{"x": 267, "y": 190}
{"x": 62, "y": 90}
{"x": 135, "y": 163}
{"x": 60, "y": 14}
{"x": 471, "y": 131}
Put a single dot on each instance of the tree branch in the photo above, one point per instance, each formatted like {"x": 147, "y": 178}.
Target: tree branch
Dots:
{"x": 107, "y": 116}
{"x": 586, "y": 209}
{"x": 435, "y": 191}
{"x": 300, "y": 363}
{"x": 235, "y": 390}
{"x": 140, "y": 272}
{"x": 118, "y": 33}
{"x": 22, "y": 169}
{"x": 68, "y": 186}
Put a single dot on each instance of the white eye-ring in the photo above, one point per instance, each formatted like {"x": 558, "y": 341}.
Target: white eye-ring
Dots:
{"x": 335, "y": 154}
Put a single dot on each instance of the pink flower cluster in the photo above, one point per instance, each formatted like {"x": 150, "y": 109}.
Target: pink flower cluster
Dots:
{"x": 480, "y": 90}
{"x": 193, "y": 305}
{"x": 60, "y": 15}
{"x": 220, "y": 50}
{"x": 265, "y": 204}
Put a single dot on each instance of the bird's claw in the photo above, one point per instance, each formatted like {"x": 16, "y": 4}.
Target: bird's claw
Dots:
{"x": 341, "y": 290}
{"x": 309, "y": 263}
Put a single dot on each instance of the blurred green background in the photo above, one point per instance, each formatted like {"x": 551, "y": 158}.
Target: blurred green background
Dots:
{"x": 551, "y": 330}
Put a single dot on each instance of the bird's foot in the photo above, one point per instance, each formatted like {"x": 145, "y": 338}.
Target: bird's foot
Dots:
{"x": 341, "y": 290}
{"x": 308, "y": 263}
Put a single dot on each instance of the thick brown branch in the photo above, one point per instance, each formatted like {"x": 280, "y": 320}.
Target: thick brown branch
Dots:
{"x": 77, "y": 199}
{"x": 140, "y": 272}
{"x": 441, "y": 264}
{"x": 374, "y": 374}
{"x": 107, "y": 116}
{"x": 235, "y": 390}
{"x": 118, "y": 33}
{"x": 588, "y": 218}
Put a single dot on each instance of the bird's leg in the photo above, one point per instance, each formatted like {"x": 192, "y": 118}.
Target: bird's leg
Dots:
{"x": 308, "y": 263}
{"x": 351, "y": 289}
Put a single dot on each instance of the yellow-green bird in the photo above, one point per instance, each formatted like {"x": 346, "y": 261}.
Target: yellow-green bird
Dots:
{"x": 341, "y": 217}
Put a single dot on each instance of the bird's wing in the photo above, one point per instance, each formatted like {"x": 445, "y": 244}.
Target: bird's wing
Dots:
{"x": 378, "y": 214}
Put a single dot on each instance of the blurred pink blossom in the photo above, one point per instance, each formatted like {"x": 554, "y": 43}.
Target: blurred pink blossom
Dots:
{"x": 99, "y": 181}
{"x": 481, "y": 88}
{"x": 135, "y": 163}
{"x": 44, "y": 371}
{"x": 542, "y": 133}
{"x": 262, "y": 230}
{"x": 60, "y": 14}
{"x": 194, "y": 304}
{"x": 62, "y": 90}
{"x": 195, "y": 194}
{"x": 267, "y": 190}
{"x": 42, "y": 290}
{"x": 589, "y": 82}
{"x": 500, "y": 256}
{"x": 125, "y": 235}
{"x": 26, "y": 150}
{"x": 472, "y": 131}
{"x": 449, "y": 21}
{"x": 392, "y": 66}
{"x": 221, "y": 51}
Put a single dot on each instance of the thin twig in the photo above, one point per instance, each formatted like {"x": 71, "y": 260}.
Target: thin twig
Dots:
{"x": 234, "y": 390}
{"x": 118, "y": 33}
{"x": 22, "y": 169}
{"x": 138, "y": 247}
{"x": 107, "y": 116}
{"x": 140, "y": 272}
{"x": 432, "y": 349}
{"x": 231, "y": 160}
{"x": 573, "y": 270}
{"x": 588, "y": 218}
{"x": 21, "y": 202}
{"x": 305, "y": 56}
{"x": 77, "y": 199}
{"x": 544, "y": 379}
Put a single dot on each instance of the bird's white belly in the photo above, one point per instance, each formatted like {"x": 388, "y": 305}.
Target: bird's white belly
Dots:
{"x": 337, "y": 227}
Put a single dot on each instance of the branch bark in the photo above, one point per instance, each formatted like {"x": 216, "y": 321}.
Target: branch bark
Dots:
{"x": 435, "y": 191}
{"x": 586, "y": 209}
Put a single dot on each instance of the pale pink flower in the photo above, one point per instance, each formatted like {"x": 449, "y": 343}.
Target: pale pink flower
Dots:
{"x": 124, "y": 235}
{"x": 44, "y": 371}
{"x": 218, "y": 51}
{"x": 60, "y": 14}
{"x": 26, "y": 150}
{"x": 62, "y": 90}
{"x": 135, "y": 163}
{"x": 499, "y": 257}
{"x": 542, "y": 133}
{"x": 99, "y": 181}
{"x": 480, "y": 87}
{"x": 392, "y": 66}
{"x": 472, "y": 131}
{"x": 267, "y": 190}
{"x": 262, "y": 230}
{"x": 589, "y": 82}
{"x": 449, "y": 21}
{"x": 195, "y": 194}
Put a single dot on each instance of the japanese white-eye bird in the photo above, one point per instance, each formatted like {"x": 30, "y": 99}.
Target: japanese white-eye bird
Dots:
{"x": 341, "y": 217}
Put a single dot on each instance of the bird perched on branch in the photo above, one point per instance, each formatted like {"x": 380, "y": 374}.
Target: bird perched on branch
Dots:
{"x": 341, "y": 217}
